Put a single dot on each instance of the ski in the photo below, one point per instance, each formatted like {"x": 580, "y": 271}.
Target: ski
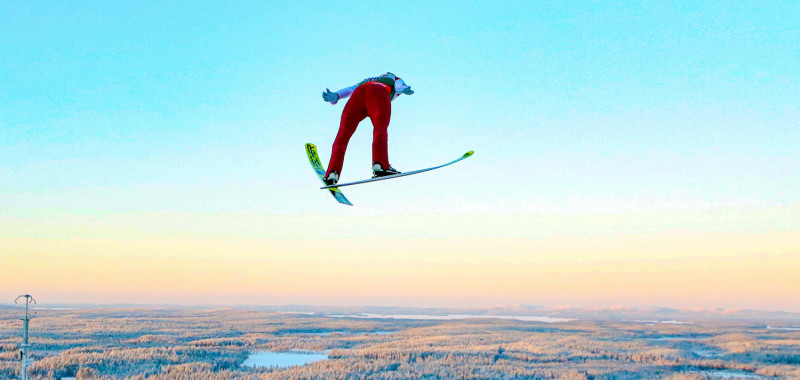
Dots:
{"x": 395, "y": 175}
{"x": 313, "y": 157}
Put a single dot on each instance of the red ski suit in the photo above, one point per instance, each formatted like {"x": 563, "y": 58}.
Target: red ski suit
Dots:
{"x": 371, "y": 100}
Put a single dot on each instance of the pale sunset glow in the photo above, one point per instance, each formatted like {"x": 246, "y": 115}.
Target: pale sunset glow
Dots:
{"x": 693, "y": 261}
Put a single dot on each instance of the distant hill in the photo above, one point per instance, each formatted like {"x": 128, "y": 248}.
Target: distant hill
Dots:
{"x": 632, "y": 314}
{"x": 623, "y": 314}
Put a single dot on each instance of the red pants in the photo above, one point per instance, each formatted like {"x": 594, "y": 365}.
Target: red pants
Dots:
{"x": 369, "y": 99}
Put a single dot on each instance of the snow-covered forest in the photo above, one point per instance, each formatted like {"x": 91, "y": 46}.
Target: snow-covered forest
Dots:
{"x": 163, "y": 343}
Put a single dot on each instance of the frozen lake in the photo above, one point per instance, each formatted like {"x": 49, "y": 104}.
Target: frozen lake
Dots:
{"x": 450, "y": 317}
{"x": 727, "y": 374}
{"x": 783, "y": 328}
{"x": 282, "y": 359}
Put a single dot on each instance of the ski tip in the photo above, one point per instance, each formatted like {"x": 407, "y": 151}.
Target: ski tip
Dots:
{"x": 311, "y": 150}
{"x": 468, "y": 154}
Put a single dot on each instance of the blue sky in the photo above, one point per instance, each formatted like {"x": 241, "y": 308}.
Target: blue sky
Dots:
{"x": 204, "y": 107}
{"x": 153, "y": 152}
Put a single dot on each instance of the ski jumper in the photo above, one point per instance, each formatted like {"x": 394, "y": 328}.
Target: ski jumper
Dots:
{"x": 371, "y": 98}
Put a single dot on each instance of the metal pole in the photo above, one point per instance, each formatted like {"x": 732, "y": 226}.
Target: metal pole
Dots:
{"x": 26, "y": 361}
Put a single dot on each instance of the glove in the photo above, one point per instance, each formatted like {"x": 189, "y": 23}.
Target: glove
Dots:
{"x": 407, "y": 91}
{"x": 329, "y": 96}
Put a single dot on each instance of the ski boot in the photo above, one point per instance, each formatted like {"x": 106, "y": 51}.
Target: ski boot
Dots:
{"x": 379, "y": 171}
{"x": 331, "y": 179}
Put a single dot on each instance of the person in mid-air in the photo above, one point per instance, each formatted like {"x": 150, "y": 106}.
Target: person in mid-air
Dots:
{"x": 371, "y": 98}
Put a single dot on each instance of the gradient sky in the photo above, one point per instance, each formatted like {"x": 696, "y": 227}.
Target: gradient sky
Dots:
{"x": 626, "y": 154}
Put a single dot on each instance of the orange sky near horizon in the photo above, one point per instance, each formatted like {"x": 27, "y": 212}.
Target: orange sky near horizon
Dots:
{"x": 729, "y": 258}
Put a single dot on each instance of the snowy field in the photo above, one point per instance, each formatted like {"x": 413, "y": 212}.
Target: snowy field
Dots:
{"x": 165, "y": 343}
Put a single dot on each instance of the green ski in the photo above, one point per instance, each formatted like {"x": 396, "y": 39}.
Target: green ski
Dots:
{"x": 313, "y": 157}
